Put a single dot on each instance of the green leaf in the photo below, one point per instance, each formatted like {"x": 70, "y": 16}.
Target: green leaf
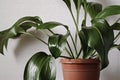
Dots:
{"x": 109, "y": 11}
{"x": 57, "y": 44}
{"x": 106, "y": 32}
{"x": 93, "y": 8}
{"x": 107, "y": 38}
{"x": 50, "y": 25}
{"x": 3, "y": 40}
{"x": 116, "y": 26}
{"x": 87, "y": 51}
{"x": 95, "y": 41}
{"x": 22, "y": 25}
{"x": 40, "y": 67}
{"x": 100, "y": 37}
{"x": 83, "y": 40}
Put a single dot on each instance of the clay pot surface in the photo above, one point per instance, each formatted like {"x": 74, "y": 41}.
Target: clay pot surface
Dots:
{"x": 81, "y": 69}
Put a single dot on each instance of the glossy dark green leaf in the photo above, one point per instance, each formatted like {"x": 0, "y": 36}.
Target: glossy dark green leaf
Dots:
{"x": 83, "y": 40}
{"x": 95, "y": 41}
{"x": 100, "y": 37}
{"x": 87, "y": 51}
{"x": 50, "y": 25}
{"x": 116, "y": 26}
{"x": 22, "y": 25}
{"x": 109, "y": 11}
{"x": 57, "y": 44}
{"x": 48, "y": 71}
{"x": 107, "y": 35}
{"x": 40, "y": 67}
{"x": 93, "y": 8}
{"x": 2, "y": 40}
{"x": 106, "y": 32}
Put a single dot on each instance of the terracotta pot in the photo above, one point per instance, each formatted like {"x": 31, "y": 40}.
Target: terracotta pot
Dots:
{"x": 81, "y": 69}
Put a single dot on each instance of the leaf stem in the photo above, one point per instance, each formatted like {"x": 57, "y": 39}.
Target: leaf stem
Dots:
{"x": 77, "y": 31}
{"x": 85, "y": 11}
{"x": 70, "y": 50}
{"x": 35, "y": 37}
{"x": 79, "y": 53}
{"x": 51, "y": 31}
{"x": 117, "y": 37}
{"x": 76, "y": 25}
{"x": 73, "y": 44}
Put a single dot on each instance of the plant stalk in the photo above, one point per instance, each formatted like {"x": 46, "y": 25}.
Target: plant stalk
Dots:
{"x": 70, "y": 50}
{"x": 117, "y": 37}
{"x": 35, "y": 37}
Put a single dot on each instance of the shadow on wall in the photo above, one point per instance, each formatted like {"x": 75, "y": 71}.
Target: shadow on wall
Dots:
{"x": 28, "y": 46}
{"x": 107, "y": 74}
{"x": 112, "y": 71}
{"x": 105, "y": 2}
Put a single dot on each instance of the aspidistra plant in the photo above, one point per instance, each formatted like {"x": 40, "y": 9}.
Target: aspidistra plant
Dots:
{"x": 96, "y": 40}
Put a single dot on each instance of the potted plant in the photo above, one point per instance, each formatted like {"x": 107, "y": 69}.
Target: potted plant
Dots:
{"x": 96, "y": 41}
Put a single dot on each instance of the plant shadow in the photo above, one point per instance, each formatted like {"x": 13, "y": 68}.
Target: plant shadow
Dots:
{"x": 28, "y": 46}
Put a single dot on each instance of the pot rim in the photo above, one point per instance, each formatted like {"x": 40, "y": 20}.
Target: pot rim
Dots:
{"x": 72, "y": 61}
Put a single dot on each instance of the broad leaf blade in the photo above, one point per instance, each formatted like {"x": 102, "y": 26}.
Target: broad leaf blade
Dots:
{"x": 83, "y": 40}
{"x": 50, "y": 25}
{"x": 2, "y": 40}
{"x": 22, "y": 25}
{"x": 93, "y": 8}
{"x": 57, "y": 44}
{"x": 48, "y": 71}
{"x": 107, "y": 37}
{"x": 106, "y": 32}
{"x": 40, "y": 67}
{"x": 100, "y": 37}
{"x": 109, "y": 11}
{"x": 95, "y": 42}
{"x": 28, "y": 18}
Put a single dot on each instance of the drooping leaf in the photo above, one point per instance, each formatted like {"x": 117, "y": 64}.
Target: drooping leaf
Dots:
{"x": 50, "y": 25}
{"x": 93, "y": 8}
{"x": 106, "y": 32}
{"x": 100, "y": 37}
{"x": 83, "y": 40}
{"x": 40, "y": 67}
{"x": 107, "y": 37}
{"x": 109, "y": 11}
{"x": 22, "y": 25}
{"x": 57, "y": 44}
{"x": 95, "y": 41}
{"x": 3, "y": 40}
